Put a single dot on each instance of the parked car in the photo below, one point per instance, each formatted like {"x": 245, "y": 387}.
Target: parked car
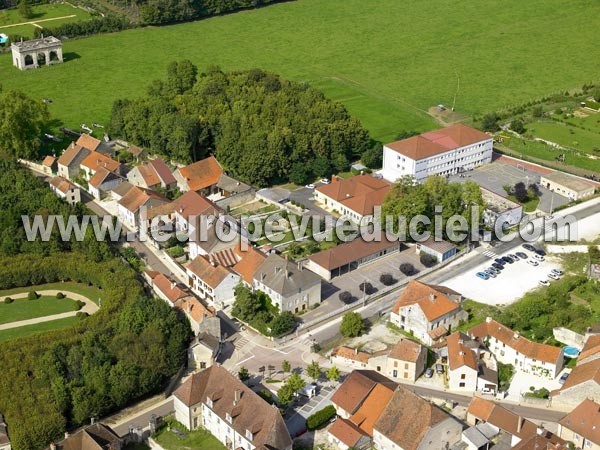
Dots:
{"x": 558, "y": 272}
{"x": 429, "y": 372}
{"x": 553, "y": 276}
{"x": 310, "y": 186}
{"x": 529, "y": 247}
{"x": 514, "y": 257}
{"x": 500, "y": 261}
{"x": 482, "y": 275}
{"x": 508, "y": 259}
{"x": 544, "y": 283}
{"x": 490, "y": 273}
{"x": 538, "y": 257}
{"x": 522, "y": 255}
{"x": 540, "y": 252}
{"x": 439, "y": 369}
{"x": 533, "y": 262}
{"x": 563, "y": 378}
{"x": 498, "y": 266}
{"x": 324, "y": 181}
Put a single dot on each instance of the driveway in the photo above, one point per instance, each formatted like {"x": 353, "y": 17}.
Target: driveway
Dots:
{"x": 305, "y": 196}
{"x": 304, "y": 408}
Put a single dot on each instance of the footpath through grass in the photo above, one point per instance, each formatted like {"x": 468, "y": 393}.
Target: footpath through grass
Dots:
{"x": 23, "y": 309}
{"x": 28, "y": 330}
{"x": 387, "y": 61}
{"x": 42, "y": 13}
{"x": 91, "y": 292}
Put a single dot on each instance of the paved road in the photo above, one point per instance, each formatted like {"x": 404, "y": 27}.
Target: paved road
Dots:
{"x": 142, "y": 419}
{"x": 90, "y": 307}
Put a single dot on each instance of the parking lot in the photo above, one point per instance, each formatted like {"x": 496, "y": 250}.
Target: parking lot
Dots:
{"x": 509, "y": 285}
{"x": 497, "y": 174}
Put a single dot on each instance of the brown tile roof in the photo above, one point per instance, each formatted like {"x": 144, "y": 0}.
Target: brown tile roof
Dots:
{"x": 360, "y": 193}
{"x": 500, "y": 417}
{"x": 348, "y": 252}
{"x": 243, "y": 262}
{"x": 62, "y": 184}
{"x": 533, "y": 350}
{"x": 350, "y": 353}
{"x": 355, "y": 388}
{"x": 202, "y": 174}
{"x": 195, "y": 309}
{"x": 89, "y": 142}
{"x": 70, "y": 153}
{"x": 163, "y": 171}
{"x": 438, "y": 332}
{"x": 48, "y": 161}
{"x": 94, "y": 437}
{"x": 190, "y": 204}
{"x": 137, "y": 197}
{"x": 584, "y": 420}
{"x": 544, "y": 441}
{"x": 95, "y": 161}
{"x": 346, "y": 432}
{"x": 407, "y": 417}
{"x": 406, "y": 350}
{"x": 585, "y": 372}
{"x": 148, "y": 174}
{"x": 135, "y": 150}
{"x": 250, "y": 413}
{"x": 433, "y": 303}
{"x": 211, "y": 274}
{"x": 439, "y": 141}
{"x": 591, "y": 347}
{"x": 372, "y": 407}
{"x": 101, "y": 176}
{"x": 459, "y": 354}
{"x": 169, "y": 288}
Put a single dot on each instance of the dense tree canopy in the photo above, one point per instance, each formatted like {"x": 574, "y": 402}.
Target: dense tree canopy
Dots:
{"x": 261, "y": 127}
{"x": 22, "y": 120}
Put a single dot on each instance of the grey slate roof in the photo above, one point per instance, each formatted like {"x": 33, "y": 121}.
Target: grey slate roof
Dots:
{"x": 284, "y": 277}
{"x": 35, "y": 44}
{"x": 232, "y": 185}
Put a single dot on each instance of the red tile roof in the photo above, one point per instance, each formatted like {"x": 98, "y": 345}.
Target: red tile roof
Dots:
{"x": 345, "y": 253}
{"x": 591, "y": 348}
{"x": 406, "y": 350}
{"x": 432, "y": 302}
{"x": 372, "y": 407}
{"x": 70, "y": 153}
{"x": 48, "y": 161}
{"x": 581, "y": 374}
{"x": 169, "y": 288}
{"x": 202, "y": 174}
{"x": 350, "y": 353}
{"x": 524, "y": 346}
{"x": 439, "y": 141}
{"x": 95, "y": 161}
{"x": 163, "y": 171}
{"x": 346, "y": 432}
{"x": 136, "y": 197}
{"x": 211, "y": 274}
{"x": 504, "y": 419}
{"x": 584, "y": 420}
{"x": 355, "y": 388}
{"x": 360, "y": 193}
{"x": 89, "y": 142}
{"x": 459, "y": 354}
{"x": 197, "y": 310}
{"x": 101, "y": 176}
{"x": 62, "y": 184}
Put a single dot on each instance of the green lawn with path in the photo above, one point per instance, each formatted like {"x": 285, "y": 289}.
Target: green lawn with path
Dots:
{"x": 198, "y": 439}
{"x": 387, "y": 61}
{"x": 38, "y": 328}
{"x": 58, "y": 11}
{"x": 23, "y": 309}
{"x": 91, "y": 292}
{"x": 565, "y": 135}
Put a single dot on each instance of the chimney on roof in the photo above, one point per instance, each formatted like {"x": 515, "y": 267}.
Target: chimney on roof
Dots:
{"x": 189, "y": 307}
{"x": 67, "y": 435}
{"x": 516, "y": 335}
{"x": 173, "y": 284}
{"x": 540, "y": 430}
{"x": 488, "y": 319}
{"x": 237, "y": 396}
{"x": 92, "y": 420}
{"x": 461, "y": 353}
{"x": 519, "y": 424}
{"x": 52, "y": 446}
{"x": 432, "y": 296}
{"x": 356, "y": 350}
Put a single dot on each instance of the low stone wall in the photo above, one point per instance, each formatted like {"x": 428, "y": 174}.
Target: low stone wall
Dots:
{"x": 569, "y": 337}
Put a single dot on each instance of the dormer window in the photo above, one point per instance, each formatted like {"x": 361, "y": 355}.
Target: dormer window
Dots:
{"x": 249, "y": 435}
{"x": 209, "y": 402}
{"x": 228, "y": 417}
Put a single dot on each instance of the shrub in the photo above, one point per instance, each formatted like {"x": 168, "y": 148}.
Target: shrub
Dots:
{"x": 60, "y": 295}
{"x": 8, "y": 300}
{"x": 345, "y": 297}
{"x": 32, "y": 295}
{"x": 387, "y": 279}
{"x": 407, "y": 269}
{"x": 366, "y": 287}
{"x": 81, "y": 315}
{"x": 320, "y": 417}
{"x": 176, "y": 251}
{"x": 428, "y": 260}
{"x": 80, "y": 304}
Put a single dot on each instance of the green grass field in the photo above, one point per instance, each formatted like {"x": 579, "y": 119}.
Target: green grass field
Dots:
{"x": 91, "y": 292}
{"x": 198, "y": 439}
{"x": 28, "y": 330}
{"x": 41, "y": 14}
{"x": 23, "y": 309}
{"x": 388, "y": 61}
{"x": 565, "y": 135}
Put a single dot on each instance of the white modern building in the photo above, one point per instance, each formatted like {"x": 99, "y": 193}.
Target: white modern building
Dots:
{"x": 443, "y": 152}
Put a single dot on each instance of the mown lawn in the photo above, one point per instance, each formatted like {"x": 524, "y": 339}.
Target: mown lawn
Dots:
{"x": 388, "y": 61}
{"x": 198, "y": 439}
{"x": 43, "y": 327}
{"x": 91, "y": 292}
{"x": 23, "y": 309}
{"x": 567, "y": 136}
{"x": 530, "y": 205}
{"x": 40, "y": 13}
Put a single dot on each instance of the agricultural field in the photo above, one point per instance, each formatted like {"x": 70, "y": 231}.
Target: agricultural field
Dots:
{"x": 49, "y": 15}
{"x": 387, "y": 61}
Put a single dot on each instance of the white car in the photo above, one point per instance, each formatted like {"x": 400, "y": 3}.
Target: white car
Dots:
{"x": 533, "y": 262}
{"x": 553, "y": 276}
{"x": 310, "y": 186}
{"x": 538, "y": 257}
{"x": 557, "y": 272}
{"x": 324, "y": 181}
{"x": 544, "y": 283}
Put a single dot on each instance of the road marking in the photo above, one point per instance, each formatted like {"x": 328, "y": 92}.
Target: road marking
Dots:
{"x": 244, "y": 360}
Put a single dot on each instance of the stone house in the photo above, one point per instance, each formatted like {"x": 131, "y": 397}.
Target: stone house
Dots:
{"x": 582, "y": 426}
{"x": 69, "y": 163}
{"x": 65, "y": 189}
